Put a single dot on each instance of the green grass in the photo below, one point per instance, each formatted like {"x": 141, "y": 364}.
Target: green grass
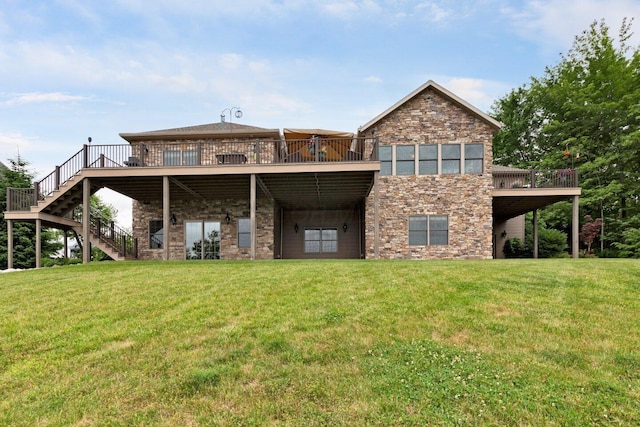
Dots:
{"x": 512, "y": 342}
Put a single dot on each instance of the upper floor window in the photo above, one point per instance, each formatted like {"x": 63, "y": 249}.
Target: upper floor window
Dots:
{"x": 177, "y": 158}
{"x": 384, "y": 153}
{"x": 405, "y": 160}
{"x": 450, "y": 158}
{"x": 428, "y": 161}
{"x": 473, "y": 157}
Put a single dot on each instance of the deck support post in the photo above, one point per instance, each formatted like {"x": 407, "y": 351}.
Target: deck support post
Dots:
{"x": 86, "y": 221}
{"x": 166, "y": 216}
{"x": 38, "y": 243}
{"x": 575, "y": 228}
{"x": 65, "y": 242}
{"x": 376, "y": 217}
{"x": 535, "y": 234}
{"x": 254, "y": 228}
{"x": 9, "y": 244}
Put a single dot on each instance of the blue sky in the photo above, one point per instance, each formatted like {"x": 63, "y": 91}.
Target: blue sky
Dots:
{"x": 70, "y": 69}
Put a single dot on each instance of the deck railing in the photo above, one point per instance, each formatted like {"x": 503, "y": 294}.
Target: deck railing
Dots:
{"x": 187, "y": 154}
{"x": 560, "y": 178}
{"x": 108, "y": 232}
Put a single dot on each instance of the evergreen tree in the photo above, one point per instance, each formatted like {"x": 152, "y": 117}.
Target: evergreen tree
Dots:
{"x": 17, "y": 175}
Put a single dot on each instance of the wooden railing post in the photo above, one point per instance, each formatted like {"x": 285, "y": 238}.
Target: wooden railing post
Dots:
{"x": 57, "y": 178}
{"x": 36, "y": 193}
{"x": 135, "y": 247}
{"x": 85, "y": 156}
{"x": 102, "y": 160}
{"x": 199, "y": 154}
{"x": 112, "y": 231}
{"x": 533, "y": 179}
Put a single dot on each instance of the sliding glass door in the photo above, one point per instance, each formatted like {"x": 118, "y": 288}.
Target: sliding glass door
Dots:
{"x": 202, "y": 239}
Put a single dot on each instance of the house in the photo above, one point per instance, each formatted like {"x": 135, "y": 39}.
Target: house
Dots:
{"x": 417, "y": 181}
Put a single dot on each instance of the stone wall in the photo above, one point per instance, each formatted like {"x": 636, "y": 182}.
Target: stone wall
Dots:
{"x": 205, "y": 210}
{"x": 429, "y": 118}
{"x": 255, "y": 150}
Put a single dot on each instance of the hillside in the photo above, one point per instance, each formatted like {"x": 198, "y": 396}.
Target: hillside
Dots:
{"x": 512, "y": 342}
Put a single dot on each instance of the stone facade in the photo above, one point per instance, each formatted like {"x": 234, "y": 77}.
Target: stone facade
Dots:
{"x": 216, "y": 210}
{"x": 208, "y": 151}
{"x": 430, "y": 118}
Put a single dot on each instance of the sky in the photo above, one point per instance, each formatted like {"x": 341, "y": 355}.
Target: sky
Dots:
{"x": 73, "y": 69}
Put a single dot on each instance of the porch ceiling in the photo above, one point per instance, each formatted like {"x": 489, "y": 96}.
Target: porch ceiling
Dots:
{"x": 309, "y": 190}
{"x": 512, "y": 203}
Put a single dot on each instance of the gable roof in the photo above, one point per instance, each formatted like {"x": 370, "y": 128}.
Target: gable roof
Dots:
{"x": 210, "y": 130}
{"x": 443, "y": 92}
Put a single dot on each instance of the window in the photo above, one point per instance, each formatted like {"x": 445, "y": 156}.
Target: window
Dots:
{"x": 405, "y": 160}
{"x": 384, "y": 153}
{"x": 189, "y": 158}
{"x": 202, "y": 239}
{"x": 473, "y": 156}
{"x": 450, "y": 158}
{"x": 428, "y": 159}
{"x": 171, "y": 158}
{"x": 244, "y": 233}
{"x": 428, "y": 230}
{"x": 438, "y": 230}
{"x": 156, "y": 233}
{"x": 177, "y": 158}
{"x": 321, "y": 240}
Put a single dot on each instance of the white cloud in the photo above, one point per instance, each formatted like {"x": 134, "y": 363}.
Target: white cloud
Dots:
{"x": 38, "y": 97}
{"x": 477, "y": 92}
{"x": 373, "y": 79}
{"x": 14, "y": 142}
{"x": 554, "y": 23}
{"x": 342, "y": 9}
{"x": 432, "y": 12}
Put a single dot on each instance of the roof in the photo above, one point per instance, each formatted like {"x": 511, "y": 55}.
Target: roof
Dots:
{"x": 210, "y": 130}
{"x": 443, "y": 92}
{"x": 507, "y": 169}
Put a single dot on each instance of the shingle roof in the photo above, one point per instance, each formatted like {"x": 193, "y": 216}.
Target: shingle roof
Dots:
{"x": 216, "y": 130}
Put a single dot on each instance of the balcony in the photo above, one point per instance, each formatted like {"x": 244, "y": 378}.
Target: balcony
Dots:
{"x": 510, "y": 178}
{"x": 159, "y": 155}
{"x": 518, "y": 191}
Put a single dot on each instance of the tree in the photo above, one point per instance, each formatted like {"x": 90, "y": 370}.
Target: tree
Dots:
{"x": 589, "y": 231}
{"x": 17, "y": 175}
{"x": 582, "y": 113}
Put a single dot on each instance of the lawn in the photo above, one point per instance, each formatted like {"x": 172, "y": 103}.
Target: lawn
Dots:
{"x": 496, "y": 342}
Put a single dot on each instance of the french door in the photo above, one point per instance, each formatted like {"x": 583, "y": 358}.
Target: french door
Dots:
{"x": 202, "y": 239}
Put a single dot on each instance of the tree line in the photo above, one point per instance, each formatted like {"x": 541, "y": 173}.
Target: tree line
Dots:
{"x": 584, "y": 113}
